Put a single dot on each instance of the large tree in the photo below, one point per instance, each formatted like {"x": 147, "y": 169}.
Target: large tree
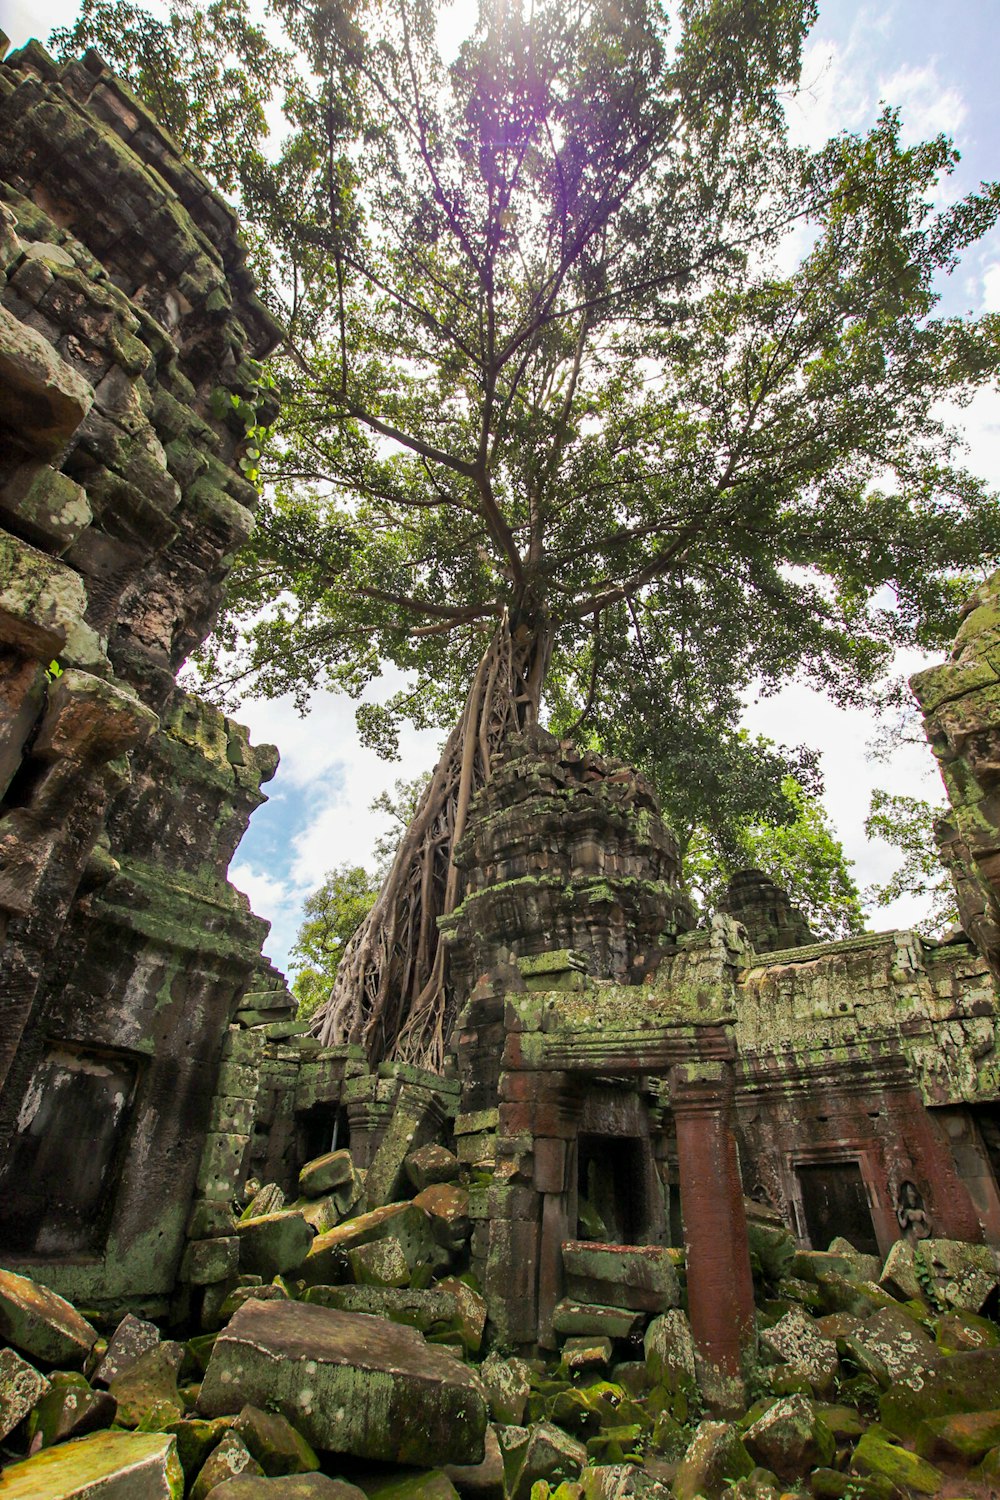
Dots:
{"x": 563, "y": 425}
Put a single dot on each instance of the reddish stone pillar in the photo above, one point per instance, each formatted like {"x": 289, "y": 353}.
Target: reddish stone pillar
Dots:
{"x": 717, "y": 1252}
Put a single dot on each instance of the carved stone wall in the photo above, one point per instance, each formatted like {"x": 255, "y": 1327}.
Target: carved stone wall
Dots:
{"x": 128, "y": 319}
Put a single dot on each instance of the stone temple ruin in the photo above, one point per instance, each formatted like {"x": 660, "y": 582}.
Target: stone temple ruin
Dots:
{"x": 649, "y": 1134}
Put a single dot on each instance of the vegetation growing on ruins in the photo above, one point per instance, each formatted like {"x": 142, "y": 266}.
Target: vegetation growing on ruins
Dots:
{"x": 562, "y": 421}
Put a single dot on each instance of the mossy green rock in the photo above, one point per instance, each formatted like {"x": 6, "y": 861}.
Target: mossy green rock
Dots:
{"x": 21, "y": 1388}
{"x": 382, "y": 1263}
{"x": 714, "y": 1458}
{"x": 104, "y": 1466}
{"x": 966, "y": 1437}
{"x": 274, "y": 1442}
{"x": 68, "y": 1411}
{"x": 875, "y": 1454}
{"x": 227, "y": 1460}
{"x": 956, "y": 1331}
{"x": 669, "y": 1349}
{"x": 195, "y": 1440}
{"x": 290, "y": 1487}
{"x": 41, "y": 1324}
{"x": 549, "y": 1454}
{"x": 427, "y": 1484}
{"x": 409, "y": 1225}
{"x": 790, "y": 1439}
{"x": 146, "y": 1392}
{"x": 508, "y": 1385}
{"x": 958, "y": 1383}
{"x": 349, "y": 1383}
{"x": 273, "y": 1243}
{"x": 324, "y": 1173}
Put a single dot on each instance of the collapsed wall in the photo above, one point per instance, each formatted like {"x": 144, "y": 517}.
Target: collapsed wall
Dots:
{"x": 129, "y": 330}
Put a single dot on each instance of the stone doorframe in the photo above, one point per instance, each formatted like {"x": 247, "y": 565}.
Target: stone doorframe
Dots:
{"x": 552, "y": 1049}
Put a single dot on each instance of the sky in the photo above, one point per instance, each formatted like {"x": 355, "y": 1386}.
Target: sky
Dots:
{"x": 937, "y": 64}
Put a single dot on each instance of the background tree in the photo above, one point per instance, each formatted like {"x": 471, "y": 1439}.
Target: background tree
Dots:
{"x": 802, "y": 855}
{"x": 557, "y": 424}
{"x": 330, "y": 917}
{"x": 907, "y": 824}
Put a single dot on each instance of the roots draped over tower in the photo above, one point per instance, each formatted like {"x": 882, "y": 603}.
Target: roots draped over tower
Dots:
{"x": 391, "y": 991}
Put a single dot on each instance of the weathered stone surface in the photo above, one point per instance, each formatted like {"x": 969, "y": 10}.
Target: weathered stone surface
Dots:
{"x": 348, "y": 1383}
{"x": 571, "y": 1317}
{"x": 714, "y": 1458}
{"x": 270, "y": 1244}
{"x": 104, "y": 1466}
{"x": 669, "y": 1349}
{"x": 899, "y": 1274}
{"x": 965, "y": 1438}
{"x": 890, "y": 1345}
{"x": 876, "y": 1454}
{"x": 960, "y": 1275}
{"x": 428, "y": 1484}
{"x": 432, "y": 1164}
{"x": 447, "y": 1204}
{"x": 227, "y": 1460}
{"x": 796, "y": 1340}
{"x": 325, "y": 1173}
{"x": 639, "y": 1277}
{"x": 956, "y": 1331}
{"x": 582, "y": 1353}
{"x": 70, "y": 1410}
{"x": 508, "y": 1385}
{"x": 268, "y": 1199}
{"x": 41, "y": 1324}
{"x": 21, "y": 1388}
{"x": 291, "y": 1487}
{"x": 45, "y": 400}
{"x": 274, "y": 1442}
{"x": 480, "y": 1481}
{"x": 959, "y": 1383}
{"x": 382, "y": 1263}
{"x": 209, "y": 1261}
{"x": 132, "y": 1338}
{"x": 409, "y": 1225}
{"x": 195, "y": 1440}
{"x": 430, "y": 1310}
{"x": 471, "y": 1311}
{"x": 789, "y": 1439}
{"x": 146, "y": 1390}
{"x": 547, "y": 1454}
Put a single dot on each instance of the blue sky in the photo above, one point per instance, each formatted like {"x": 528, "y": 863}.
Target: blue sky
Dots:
{"x": 938, "y": 64}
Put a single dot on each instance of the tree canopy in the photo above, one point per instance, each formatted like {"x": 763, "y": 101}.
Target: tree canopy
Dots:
{"x": 567, "y": 427}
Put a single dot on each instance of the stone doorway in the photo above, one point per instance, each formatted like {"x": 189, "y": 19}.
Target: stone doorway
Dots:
{"x": 835, "y": 1202}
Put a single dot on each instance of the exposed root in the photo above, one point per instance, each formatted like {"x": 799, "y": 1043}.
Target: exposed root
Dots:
{"x": 391, "y": 991}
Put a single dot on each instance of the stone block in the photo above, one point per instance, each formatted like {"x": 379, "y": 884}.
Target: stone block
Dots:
{"x": 430, "y": 1165}
{"x": 409, "y": 1225}
{"x": 41, "y": 1324}
{"x": 797, "y": 1341}
{"x": 45, "y": 400}
{"x": 668, "y": 1345}
{"x": 70, "y": 1411}
{"x": 228, "y": 1460}
{"x": 957, "y": 1384}
{"x": 348, "y": 1383}
{"x": 293, "y": 1487}
{"x": 274, "y": 1442}
{"x": 447, "y": 1205}
{"x": 640, "y": 1277}
{"x": 571, "y": 1317}
{"x": 209, "y": 1261}
{"x": 324, "y": 1173}
{"x": 877, "y": 1454}
{"x": 714, "y": 1458}
{"x": 132, "y": 1338}
{"x": 508, "y": 1386}
{"x": 790, "y": 1439}
{"x": 146, "y": 1391}
{"x": 960, "y": 1275}
{"x": 46, "y": 506}
{"x": 21, "y": 1388}
{"x": 104, "y": 1466}
{"x": 549, "y": 1454}
{"x": 381, "y": 1263}
{"x": 270, "y": 1244}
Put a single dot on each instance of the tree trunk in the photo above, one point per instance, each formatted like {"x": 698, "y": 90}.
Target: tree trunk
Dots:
{"x": 391, "y": 991}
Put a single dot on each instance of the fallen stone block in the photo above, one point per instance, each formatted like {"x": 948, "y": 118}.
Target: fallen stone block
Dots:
{"x": 471, "y": 1311}
{"x": 639, "y": 1277}
{"x": 196, "y": 1438}
{"x": 581, "y": 1354}
{"x": 382, "y": 1263}
{"x": 227, "y": 1460}
{"x": 70, "y": 1410}
{"x": 132, "y": 1338}
{"x": 958, "y": 1383}
{"x": 268, "y": 1199}
{"x": 432, "y": 1484}
{"x": 965, "y": 1438}
{"x": 956, "y": 1331}
{"x": 146, "y": 1391}
{"x": 508, "y": 1386}
{"x": 410, "y": 1226}
{"x": 430, "y": 1165}
{"x": 209, "y": 1261}
{"x": 714, "y": 1458}
{"x": 349, "y": 1383}
{"x": 429, "y": 1310}
{"x": 876, "y": 1454}
{"x": 890, "y": 1346}
{"x": 549, "y": 1454}
{"x": 320, "y": 1213}
{"x": 104, "y": 1466}
{"x": 324, "y": 1173}
{"x": 274, "y": 1442}
{"x": 270, "y": 1244}
{"x": 796, "y": 1340}
{"x": 480, "y": 1481}
{"x": 21, "y": 1388}
{"x": 291, "y": 1487}
{"x": 447, "y": 1206}
{"x": 790, "y": 1439}
{"x": 571, "y": 1317}
{"x": 668, "y": 1345}
{"x": 899, "y": 1274}
{"x": 957, "y": 1274}
{"x": 41, "y": 1324}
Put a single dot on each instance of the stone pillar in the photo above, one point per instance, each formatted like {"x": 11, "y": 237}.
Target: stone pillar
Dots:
{"x": 720, "y": 1285}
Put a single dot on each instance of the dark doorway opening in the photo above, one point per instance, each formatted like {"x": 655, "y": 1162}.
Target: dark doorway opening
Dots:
{"x": 611, "y": 1182}
{"x": 320, "y": 1129}
{"x": 835, "y": 1203}
{"x": 55, "y": 1185}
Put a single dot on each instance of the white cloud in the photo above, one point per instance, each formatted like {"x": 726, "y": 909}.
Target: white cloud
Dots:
{"x": 991, "y": 288}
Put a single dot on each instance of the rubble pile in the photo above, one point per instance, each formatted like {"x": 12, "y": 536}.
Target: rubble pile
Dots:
{"x": 352, "y": 1359}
